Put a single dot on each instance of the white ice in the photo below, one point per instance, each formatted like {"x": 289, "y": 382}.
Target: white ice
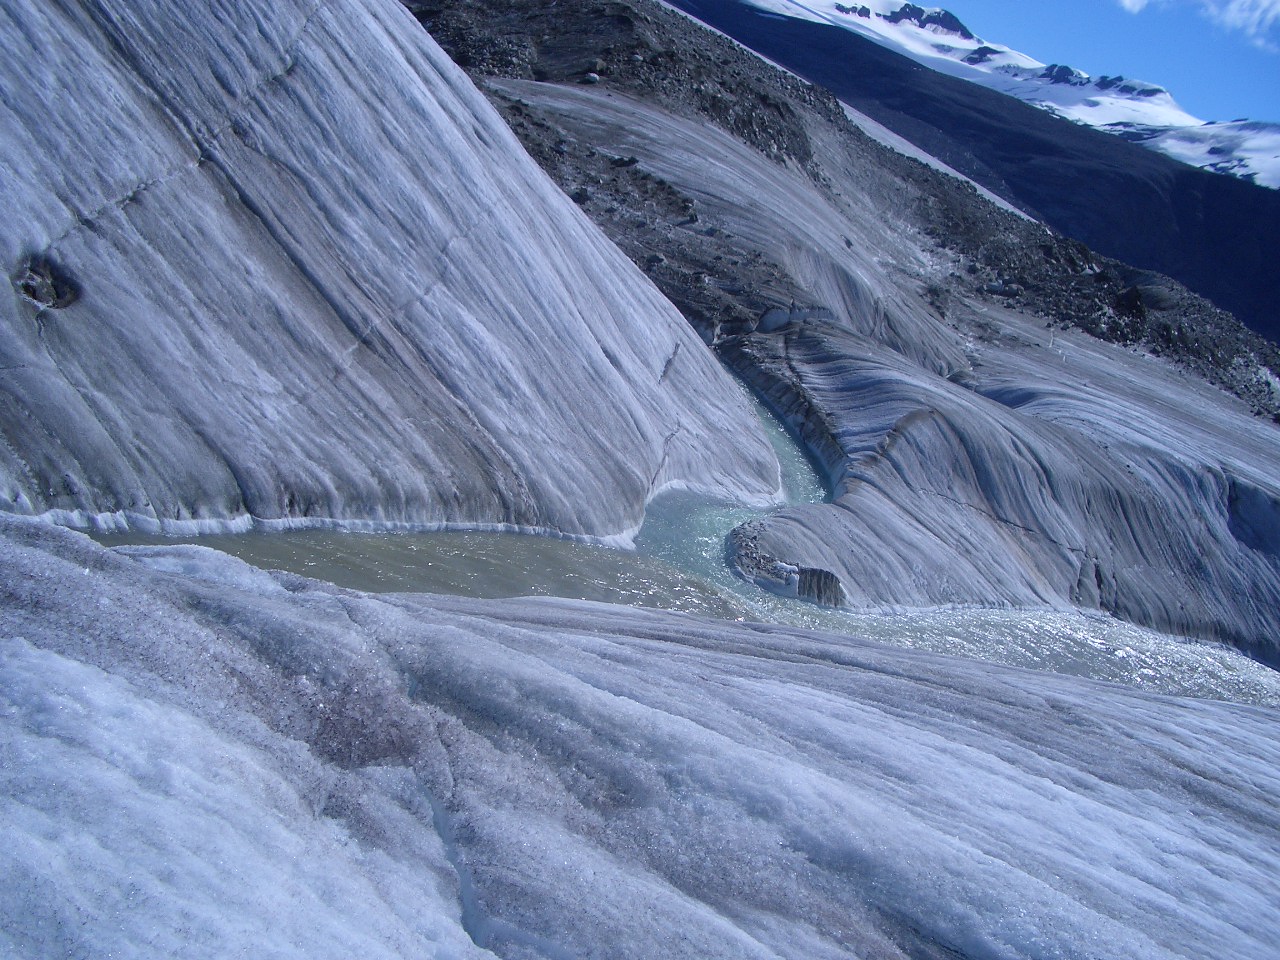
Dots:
{"x": 198, "y": 768}
{"x": 320, "y": 283}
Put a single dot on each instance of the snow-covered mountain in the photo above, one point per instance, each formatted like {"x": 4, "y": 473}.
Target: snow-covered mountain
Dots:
{"x": 1214, "y": 233}
{"x": 1138, "y": 111}
{"x": 1243, "y": 148}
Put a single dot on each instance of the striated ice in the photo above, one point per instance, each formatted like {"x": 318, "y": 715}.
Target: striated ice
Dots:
{"x": 979, "y": 459}
{"x": 318, "y": 281}
{"x": 193, "y": 768}
{"x": 286, "y": 266}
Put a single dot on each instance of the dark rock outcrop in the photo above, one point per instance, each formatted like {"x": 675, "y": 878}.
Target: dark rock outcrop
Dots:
{"x": 45, "y": 284}
{"x": 1216, "y": 234}
{"x": 942, "y": 19}
{"x": 743, "y": 553}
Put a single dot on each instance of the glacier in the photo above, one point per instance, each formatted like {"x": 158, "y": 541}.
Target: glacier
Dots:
{"x": 283, "y": 265}
{"x": 203, "y": 759}
{"x": 320, "y": 282}
{"x": 977, "y": 458}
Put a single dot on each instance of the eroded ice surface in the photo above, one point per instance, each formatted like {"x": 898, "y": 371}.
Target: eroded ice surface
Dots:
{"x": 296, "y": 269}
{"x": 223, "y": 761}
{"x": 680, "y": 564}
{"x": 199, "y": 758}
{"x": 979, "y": 458}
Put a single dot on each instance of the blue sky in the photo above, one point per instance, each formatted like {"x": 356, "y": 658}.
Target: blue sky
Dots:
{"x": 1219, "y": 58}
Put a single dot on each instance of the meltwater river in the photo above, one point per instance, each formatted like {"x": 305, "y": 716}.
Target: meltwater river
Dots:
{"x": 679, "y": 564}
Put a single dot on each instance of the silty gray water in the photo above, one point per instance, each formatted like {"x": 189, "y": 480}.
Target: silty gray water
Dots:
{"x": 679, "y": 564}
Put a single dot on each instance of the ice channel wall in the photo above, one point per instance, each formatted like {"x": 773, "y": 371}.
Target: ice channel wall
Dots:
{"x": 281, "y": 261}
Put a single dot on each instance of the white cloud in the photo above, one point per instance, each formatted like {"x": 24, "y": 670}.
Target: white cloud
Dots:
{"x": 1257, "y": 19}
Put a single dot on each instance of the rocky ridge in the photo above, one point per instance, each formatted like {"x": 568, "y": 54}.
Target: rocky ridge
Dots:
{"x": 650, "y": 52}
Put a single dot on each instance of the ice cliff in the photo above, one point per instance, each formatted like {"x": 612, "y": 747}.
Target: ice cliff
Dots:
{"x": 283, "y": 262}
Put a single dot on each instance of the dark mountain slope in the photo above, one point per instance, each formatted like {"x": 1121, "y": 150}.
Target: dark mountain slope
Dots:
{"x": 1216, "y": 234}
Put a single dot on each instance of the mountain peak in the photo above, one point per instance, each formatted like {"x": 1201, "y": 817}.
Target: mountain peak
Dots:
{"x": 1060, "y": 73}
{"x": 944, "y": 20}
{"x": 937, "y": 39}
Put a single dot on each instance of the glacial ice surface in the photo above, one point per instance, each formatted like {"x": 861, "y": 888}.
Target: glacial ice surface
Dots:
{"x": 979, "y": 458}
{"x": 198, "y": 758}
{"x": 317, "y": 280}
{"x": 219, "y": 761}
